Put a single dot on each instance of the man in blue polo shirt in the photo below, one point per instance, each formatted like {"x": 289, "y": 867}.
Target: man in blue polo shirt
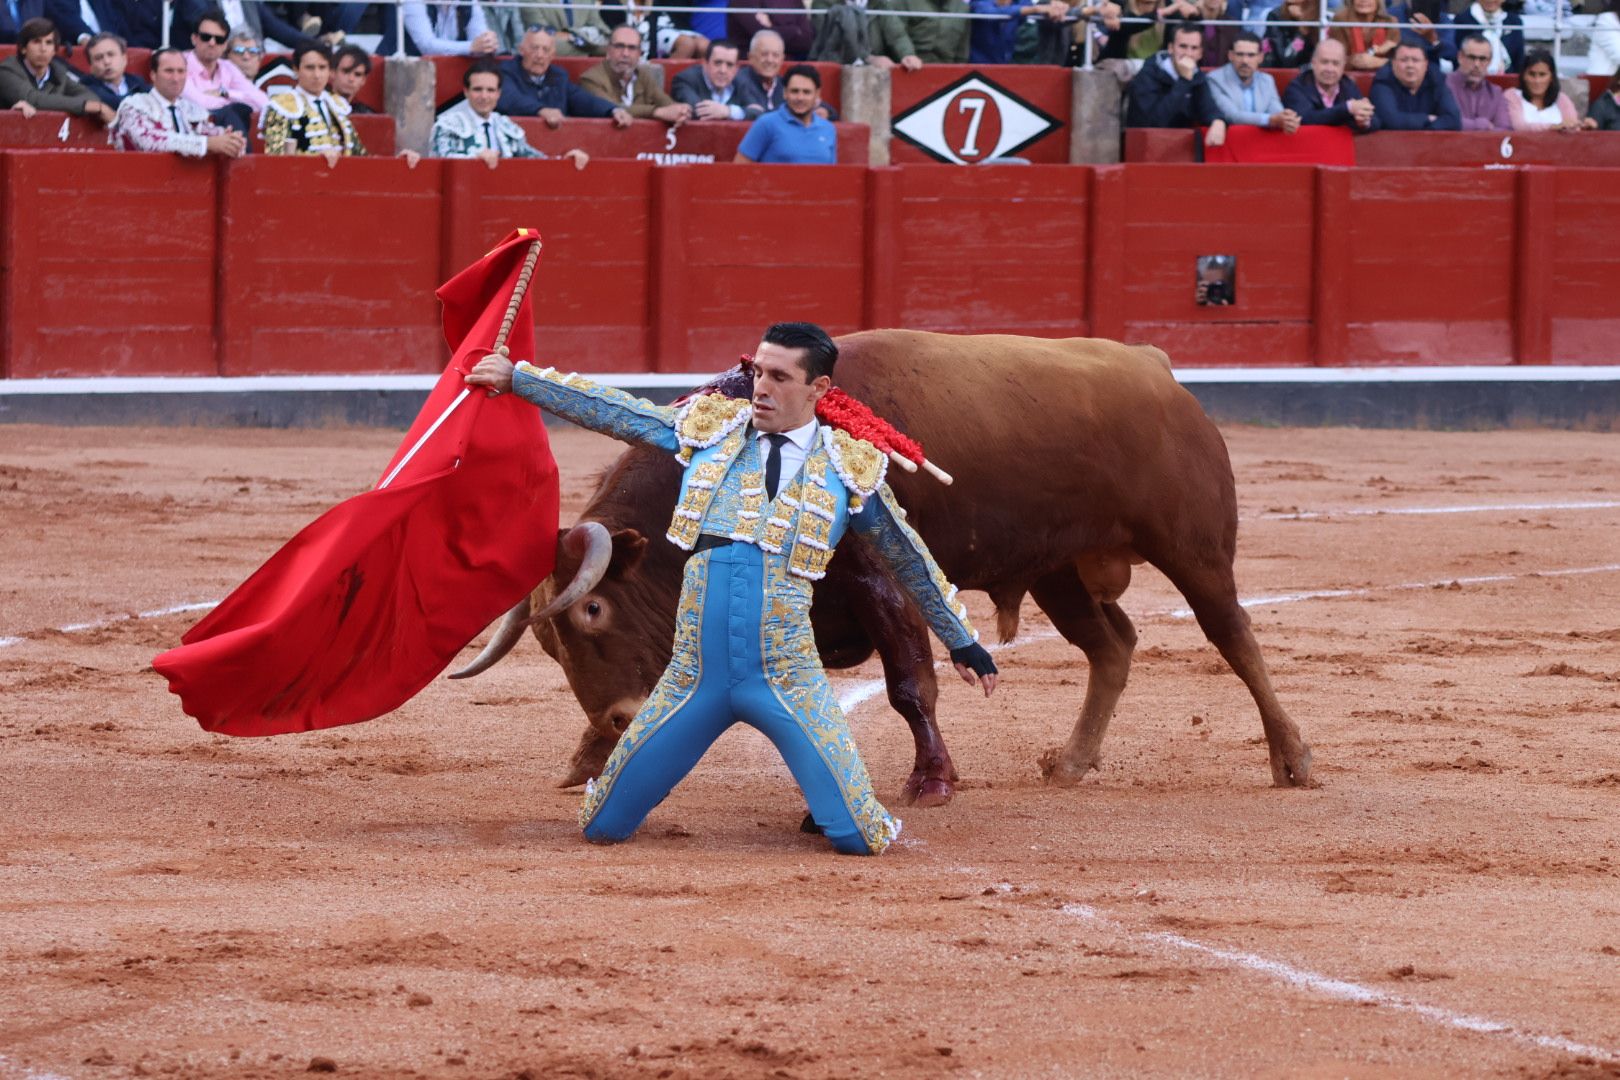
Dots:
{"x": 793, "y": 134}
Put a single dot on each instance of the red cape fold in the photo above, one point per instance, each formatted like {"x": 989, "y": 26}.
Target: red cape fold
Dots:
{"x": 371, "y": 601}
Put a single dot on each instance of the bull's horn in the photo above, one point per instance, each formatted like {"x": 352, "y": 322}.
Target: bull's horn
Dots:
{"x": 593, "y": 544}
{"x": 501, "y": 643}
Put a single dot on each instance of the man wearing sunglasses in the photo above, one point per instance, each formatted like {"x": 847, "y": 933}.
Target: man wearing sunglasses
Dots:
{"x": 246, "y": 53}
{"x": 230, "y": 97}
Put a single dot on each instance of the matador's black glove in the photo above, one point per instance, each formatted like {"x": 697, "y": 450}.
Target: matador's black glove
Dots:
{"x": 974, "y": 657}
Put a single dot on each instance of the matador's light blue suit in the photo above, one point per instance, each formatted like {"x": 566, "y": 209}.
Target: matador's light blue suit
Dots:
{"x": 744, "y": 649}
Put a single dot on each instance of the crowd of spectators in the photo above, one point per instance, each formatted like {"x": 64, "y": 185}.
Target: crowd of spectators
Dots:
{"x": 1197, "y": 64}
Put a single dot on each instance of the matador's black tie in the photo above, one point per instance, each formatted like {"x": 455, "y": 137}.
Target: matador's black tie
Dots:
{"x": 773, "y": 465}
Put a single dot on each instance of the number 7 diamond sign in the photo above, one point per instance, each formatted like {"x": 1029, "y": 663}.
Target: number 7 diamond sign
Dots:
{"x": 973, "y": 120}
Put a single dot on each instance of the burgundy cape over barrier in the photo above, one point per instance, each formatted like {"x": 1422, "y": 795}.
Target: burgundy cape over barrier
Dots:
{"x": 372, "y": 600}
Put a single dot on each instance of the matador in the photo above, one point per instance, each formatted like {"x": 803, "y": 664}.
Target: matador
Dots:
{"x": 766, "y": 494}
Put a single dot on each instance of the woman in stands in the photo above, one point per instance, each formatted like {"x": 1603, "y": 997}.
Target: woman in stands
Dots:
{"x": 1292, "y": 46}
{"x": 1537, "y": 104}
{"x": 1369, "y": 47}
{"x": 1604, "y": 115}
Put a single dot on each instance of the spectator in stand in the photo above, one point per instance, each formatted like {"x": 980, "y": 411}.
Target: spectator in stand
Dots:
{"x": 310, "y": 119}
{"x": 473, "y": 128}
{"x": 262, "y": 20}
{"x": 1243, "y": 94}
{"x": 794, "y": 134}
{"x": 993, "y": 42}
{"x": 108, "y": 78}
{"x": 1170, "y": 91}
{"x": 711, "y": 88}
{"x": 1326, "y": 95}
{"x": 1604, "y": 115}
{"x": 762, "y": 76}
{"x": 623, "y": 80}
{"x": 937, "y": 40}
{"x": 247, "y": 52}
{"x": 161, "y": 119}
{"x": 1138, "y": 35}
{"x": 531, "y": 85}
{"x": 1537, "y": 103}
{"x": 869, "y": 32}
{"x": 1292, "y": 46}
{"x": 351, "y": 67}
{"x": 35, "y": 79}
{"x": 1503, "y": 31}
{"x": 787, "y": 19}
{"x": 1480, "y": 102}
{"x": 1369, "y": 47}
{"x": 77, "y": 21}
{"x": 1217, "y": 39}
{"x": 666, "y": 34}
{"x": 1603, "y": 57}
{"x": 1410, "y": 95}
{"x": 579, "y": 27}
{"x": 221, "y": 88}
{"x": 448, "y": 29}
{"x": 14, "y": 14}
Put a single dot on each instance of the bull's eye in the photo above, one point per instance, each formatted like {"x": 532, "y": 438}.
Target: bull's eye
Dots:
{"x": 593, "y": 609}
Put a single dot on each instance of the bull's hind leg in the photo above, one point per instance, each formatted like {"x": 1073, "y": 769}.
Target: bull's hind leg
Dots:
{"x": 1105, "y": 634}
{"x": 1211, "y": 592}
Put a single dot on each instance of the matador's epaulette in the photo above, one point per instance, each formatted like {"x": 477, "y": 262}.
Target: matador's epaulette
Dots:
{"x": 708, "y": 418}
{"x": 859, "y": 464}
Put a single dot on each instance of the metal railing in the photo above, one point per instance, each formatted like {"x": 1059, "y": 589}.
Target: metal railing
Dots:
{"x": 1562, "y": 29}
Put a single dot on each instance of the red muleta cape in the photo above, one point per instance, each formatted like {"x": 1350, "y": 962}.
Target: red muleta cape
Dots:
{"x": 367, "y": 604}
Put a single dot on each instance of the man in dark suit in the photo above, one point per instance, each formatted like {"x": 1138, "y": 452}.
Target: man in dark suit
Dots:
{"x": 75, "y": 27}
{"x": 531, "y": 85}
{"x": 107, "y": 78}
{"x": 761, "y": 78}
{"x": 712, "y": 90}
{"x": 13, "y": 13}
{"x": 1323, "y": 94}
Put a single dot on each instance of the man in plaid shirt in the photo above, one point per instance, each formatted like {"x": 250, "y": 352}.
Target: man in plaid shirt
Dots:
{"x": 473, "y": 129}
{"x": 163, "y": 120}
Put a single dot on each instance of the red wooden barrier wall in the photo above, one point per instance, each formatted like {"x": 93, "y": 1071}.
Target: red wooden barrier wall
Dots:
{"x": 702, "y": 140}
{"x": 108, "y": 271}
{"x": 329, "y": 270}
{"x": 595, "y": 283}
{"x": 144, "y": 264}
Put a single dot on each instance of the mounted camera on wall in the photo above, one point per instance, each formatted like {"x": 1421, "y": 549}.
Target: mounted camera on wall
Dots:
{"x": 1217, "y": 280}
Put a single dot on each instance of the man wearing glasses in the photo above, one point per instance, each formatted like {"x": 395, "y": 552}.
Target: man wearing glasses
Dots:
{"x": 246, "y": 53}
{"x": 623, "y": 80}
{"x": 1484, "y": 106}
{"x": 230, "y": 97}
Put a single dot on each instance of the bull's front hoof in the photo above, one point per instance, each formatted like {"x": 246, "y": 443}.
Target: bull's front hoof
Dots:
{"x": 1293, "y": 769}
{"x": 924, "y": 790}
{"x": 577, "y": 776}
{"x": 1058, "y": 771}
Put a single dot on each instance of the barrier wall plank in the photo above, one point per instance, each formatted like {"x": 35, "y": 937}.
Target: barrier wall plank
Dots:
{"x": 1261, "y": 214}
{"x": 1431, "y": 277}
{"x": 701, "y": 142}
{"x": 110, "y": 271}
{"x": 591, "y": 304}
{"x": 44, "y": 130}
{"x": 328, "y": 270}
{"x": 756, "y": 244}
{"x": 993, "y": 250}
{"x": 1584, "y": 295}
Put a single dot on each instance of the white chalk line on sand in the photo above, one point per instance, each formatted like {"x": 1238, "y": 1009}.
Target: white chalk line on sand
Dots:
{"x": 1343, "y": 989}
{"x": 155, "y": 613}
{"x": 1401, "y": 511}
{"x": 7, "y": 1064}
{"x": 862, "y": 692}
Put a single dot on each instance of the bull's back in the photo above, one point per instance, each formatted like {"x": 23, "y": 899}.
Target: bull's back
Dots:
{"x": 1057, "y": 446}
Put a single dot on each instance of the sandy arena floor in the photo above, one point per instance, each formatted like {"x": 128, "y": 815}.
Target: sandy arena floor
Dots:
{"x": 410, "y": 897}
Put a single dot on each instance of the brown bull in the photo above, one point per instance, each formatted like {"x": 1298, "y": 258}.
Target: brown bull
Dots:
{"x": 1073, "y": 460}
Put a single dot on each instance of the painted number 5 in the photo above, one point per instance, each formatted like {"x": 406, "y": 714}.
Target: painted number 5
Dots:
{"x": 974, "y": 105}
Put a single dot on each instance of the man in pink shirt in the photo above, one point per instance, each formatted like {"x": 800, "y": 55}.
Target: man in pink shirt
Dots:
{"x": 220, "y": 87}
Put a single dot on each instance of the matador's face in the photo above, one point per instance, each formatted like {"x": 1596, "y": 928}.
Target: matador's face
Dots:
{"x": 783, "y": 398}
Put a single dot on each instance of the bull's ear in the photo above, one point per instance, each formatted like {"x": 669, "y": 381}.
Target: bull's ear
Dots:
{"x": 628, "y": 548}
